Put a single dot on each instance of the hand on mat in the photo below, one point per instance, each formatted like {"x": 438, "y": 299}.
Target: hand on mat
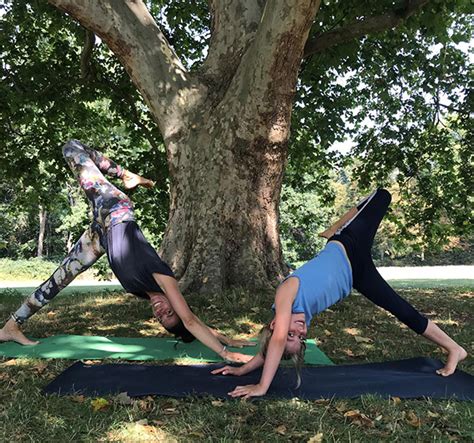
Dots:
{"x": 228, "y": 370}
{"x": 236, "y": 357}
{"x": 236, "y": 343}
{"x": 248, "y": 391}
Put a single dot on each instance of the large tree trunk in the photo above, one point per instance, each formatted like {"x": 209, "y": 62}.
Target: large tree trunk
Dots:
{"x": 223, "y": 224}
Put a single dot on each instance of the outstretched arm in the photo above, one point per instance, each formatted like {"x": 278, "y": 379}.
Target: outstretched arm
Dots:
{"x": 192, "y": 323}
{"x": 283, "y": 302}
{"x": 231, "y": 341}
{"x": 250, "y": 366}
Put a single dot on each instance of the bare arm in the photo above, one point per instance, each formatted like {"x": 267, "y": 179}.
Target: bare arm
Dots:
{"x": 231, "y": 341}
{"x": 250, "y": 366}
{"x": 285, "y": 295}
{"x": 192, "y": 323}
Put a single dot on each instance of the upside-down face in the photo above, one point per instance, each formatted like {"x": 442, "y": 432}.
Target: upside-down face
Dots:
{"x": 163, "y": 310}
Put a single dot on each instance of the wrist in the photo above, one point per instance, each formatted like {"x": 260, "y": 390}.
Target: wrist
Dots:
{"x": 223, "y": 351}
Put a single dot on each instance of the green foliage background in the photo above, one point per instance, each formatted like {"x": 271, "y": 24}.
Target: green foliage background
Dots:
{"x": 403, "y": 96}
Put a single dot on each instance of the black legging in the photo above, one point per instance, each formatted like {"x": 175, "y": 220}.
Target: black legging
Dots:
{"x": 357, "y": 236}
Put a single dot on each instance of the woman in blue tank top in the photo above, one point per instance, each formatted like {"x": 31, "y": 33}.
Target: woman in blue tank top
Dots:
{"x": 344, "y": 263}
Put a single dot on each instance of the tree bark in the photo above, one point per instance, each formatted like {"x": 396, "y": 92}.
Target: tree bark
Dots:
{"x": 42, "y": 230}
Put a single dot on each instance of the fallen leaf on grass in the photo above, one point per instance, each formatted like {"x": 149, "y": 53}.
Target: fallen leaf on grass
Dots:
{"x": 360, "y": 339}
{"x": 99, "y": 404}
{"x": 358, "y": 418}
{"x": 40, "y": 367}
{"x": 145, "y": 404}
{"x": 413, "y": 420}
{"x": 217, "y": 403}
{"x": 170, "y": 411}
{"x": 341, "y": 407}
{"x": 51, "y": 314}
{"x": 395, "y": 400}
{"x": 318, "y": 438}
{"x": 348, "y": 352}
{"x": 12, "y": 362}
{"x": 433, "y": 414}
{"x": 123, "y": 399}
{"x": 281, "y": 429}
{"x": 323, "y": 401}
{"x": 351, "y": 331}
{"x": 78, "y": 398}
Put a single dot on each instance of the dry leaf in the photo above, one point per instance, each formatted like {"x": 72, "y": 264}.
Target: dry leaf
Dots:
{"x": 145, "y": 405}
{"x": 360, "y": 339}
{"x": 217, "y": 403}
{"x": 170, "y": 411}
{"x": 328, "y": 333}
{"x": 99, "y": 404}
{"x": 12, "y": 362}
{"x": 323, "y": 401}
{"x": 413, "y": 420}
{"x": 78, "y": 398}
{"x": 341, "y": 407}
{"x": 396, "y": 400}
{"x": 433, "y": 414}
{"x": 351, "y": 331}
{"x": 281, "y": 429}
{"x": 318, "y": 438}
{"x": 348, "y": 352}
{"x": 358, "y": 418}
{"x": 40, "y": 367}
{"x": 51, "y": 314}
{"x": 123, "y": 399}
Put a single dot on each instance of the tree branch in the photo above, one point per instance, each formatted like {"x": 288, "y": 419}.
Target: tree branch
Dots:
{"x": 267, "y": 75}
{"x": 362, "y": 27}
{"x": 130, "y": 31}
{"x": 86, "y": 55}
{"x": 233, "y": 26}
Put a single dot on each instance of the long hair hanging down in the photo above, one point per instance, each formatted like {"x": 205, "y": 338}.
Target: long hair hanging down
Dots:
{"x": 297, "y": 358}
{"x": 179, "y": 331}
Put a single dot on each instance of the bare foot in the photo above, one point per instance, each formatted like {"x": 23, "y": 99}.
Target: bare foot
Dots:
{"x": 11, "y": 332}
{"x": 131, "y": 181}
{"x": 454, "y": 357}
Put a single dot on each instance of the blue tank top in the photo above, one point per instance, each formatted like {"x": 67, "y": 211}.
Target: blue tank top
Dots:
{"x": 323, "y": 281}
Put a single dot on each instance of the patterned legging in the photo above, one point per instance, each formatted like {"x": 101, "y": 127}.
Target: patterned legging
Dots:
{"x": 109, "y": 205}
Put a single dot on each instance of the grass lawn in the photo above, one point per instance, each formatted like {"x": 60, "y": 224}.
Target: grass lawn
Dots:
{"x": 27, "y": 415}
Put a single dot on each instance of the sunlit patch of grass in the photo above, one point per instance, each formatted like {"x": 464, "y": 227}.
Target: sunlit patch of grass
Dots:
{"x": 140, "y": 430}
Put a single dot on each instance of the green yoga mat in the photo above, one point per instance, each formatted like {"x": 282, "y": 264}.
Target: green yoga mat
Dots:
{"x": 83, "y": 347}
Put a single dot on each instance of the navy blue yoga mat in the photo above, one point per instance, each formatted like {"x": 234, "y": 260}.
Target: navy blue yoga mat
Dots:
{"x": 411, "y": 378}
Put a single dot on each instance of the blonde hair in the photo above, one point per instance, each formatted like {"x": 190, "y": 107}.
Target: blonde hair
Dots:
{"x": 297, "y": 358}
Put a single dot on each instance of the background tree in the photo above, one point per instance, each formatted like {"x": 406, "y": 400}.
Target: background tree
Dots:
{"x": 219, "y": 79}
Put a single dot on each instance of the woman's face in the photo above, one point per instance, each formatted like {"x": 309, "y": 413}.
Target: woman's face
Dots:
{"x": 297, "y": 332}
{"x": 163, "y": 311}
